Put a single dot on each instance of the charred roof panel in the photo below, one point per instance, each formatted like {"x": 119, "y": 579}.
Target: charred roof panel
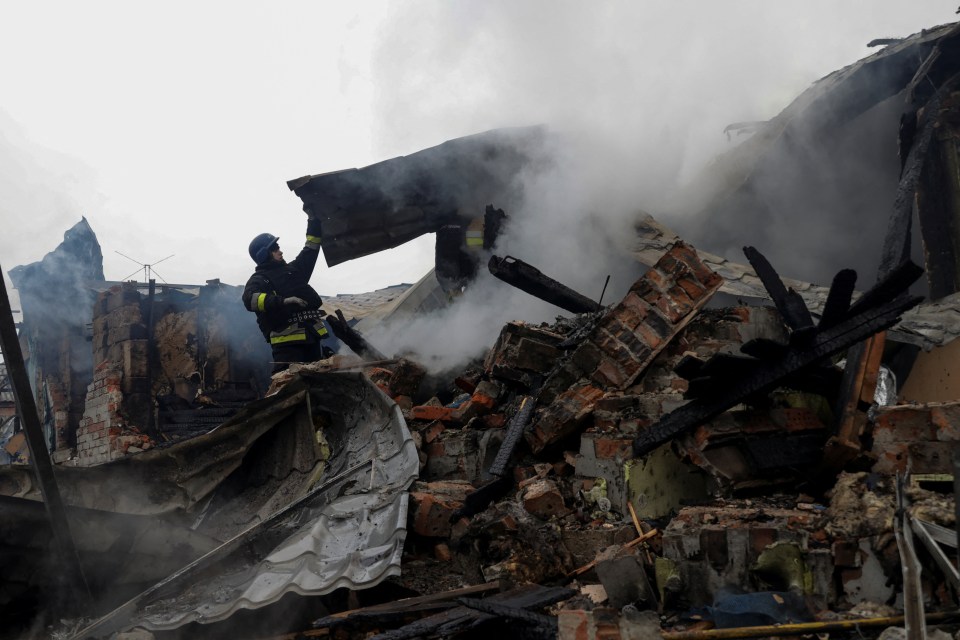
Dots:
{"x": 389, "y": 203}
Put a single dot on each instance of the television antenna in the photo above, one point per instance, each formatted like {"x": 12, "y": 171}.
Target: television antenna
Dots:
{"x": 148, "y": 270}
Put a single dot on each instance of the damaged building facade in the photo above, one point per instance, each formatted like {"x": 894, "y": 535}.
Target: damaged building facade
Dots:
{"x": 721, "y": 449}
{"x": 120, "y": 365}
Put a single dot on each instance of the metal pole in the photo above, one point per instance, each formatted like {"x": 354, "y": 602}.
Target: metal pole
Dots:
{"x": 151, "y": 422}
{"x": 27, "y": 408}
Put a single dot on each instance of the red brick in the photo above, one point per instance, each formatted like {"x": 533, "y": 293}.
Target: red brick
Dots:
{"x": 495, "y": 421}
{"x": 846, "y": 554}
{"x": 428, "y": 412}
{"x": 608, "y": 373}
{"x": 656, "y": 279}
{"x": 688, "y": 256}
{"x": 542, "y": 498}
{"x": 761, "y": 538}
{"x": 647, "y": 335}
{"x": 609, "y": 448}
{"x": 432, "y": 505}
{"x": 433, "y": 432}
{"x": 634, "y": 303}
{"x": 691, "y": 287}
{"x": 564, "y": 416}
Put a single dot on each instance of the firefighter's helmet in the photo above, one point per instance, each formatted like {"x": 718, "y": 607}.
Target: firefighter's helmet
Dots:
{"x": 260, "y": 247}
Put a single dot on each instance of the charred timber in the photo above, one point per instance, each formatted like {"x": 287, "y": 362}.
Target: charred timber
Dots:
{"x": 462, "y": 618}
{"x": 352, "y": 338}
{"x": 878, "y": 309}
{"x": 518, "y": 424}
{"x": 530, "y": 279}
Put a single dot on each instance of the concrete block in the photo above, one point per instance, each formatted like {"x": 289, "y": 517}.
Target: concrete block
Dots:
{"x": 624, "y": 579}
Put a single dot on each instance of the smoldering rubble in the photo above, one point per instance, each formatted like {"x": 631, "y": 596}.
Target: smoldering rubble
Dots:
{"x": 720, "y": 450}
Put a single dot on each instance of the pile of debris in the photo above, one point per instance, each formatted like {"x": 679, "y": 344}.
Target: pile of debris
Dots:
{"x": 734, "y": 487}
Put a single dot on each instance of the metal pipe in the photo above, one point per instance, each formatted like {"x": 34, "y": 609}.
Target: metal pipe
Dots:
{"x": 799, "y": 629}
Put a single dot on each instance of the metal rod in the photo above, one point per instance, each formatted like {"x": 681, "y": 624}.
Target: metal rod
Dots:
{"x": 605, "y": 283}
{"x": 72, "y": 572}
{"x": 151, "y": 419}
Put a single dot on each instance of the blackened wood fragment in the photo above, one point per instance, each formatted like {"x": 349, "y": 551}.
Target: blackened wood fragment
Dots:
{"x": 448, "y": 623}
{"x": 838, "y": 300}
{"x": 895, "y": 282}
{"x": 879, "y": 309}
{"x": 788, "y": 302}
{"x": 352, "y": 338}
{"x": 477, "y": 501}
{"x": 764, "y": 348}
{"x": 689, "y": 367}
{"x": 518, "y": 424}
{"x": 528, "y": 278}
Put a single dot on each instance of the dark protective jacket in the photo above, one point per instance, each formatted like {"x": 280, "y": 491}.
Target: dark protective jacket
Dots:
{"x": 270, "y": 284}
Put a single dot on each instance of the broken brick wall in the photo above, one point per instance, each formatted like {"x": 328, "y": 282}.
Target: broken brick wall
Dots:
{"x": 200, "y": 344}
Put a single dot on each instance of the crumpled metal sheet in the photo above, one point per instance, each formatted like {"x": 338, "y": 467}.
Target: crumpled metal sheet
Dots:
{"x": 348, "y": 531}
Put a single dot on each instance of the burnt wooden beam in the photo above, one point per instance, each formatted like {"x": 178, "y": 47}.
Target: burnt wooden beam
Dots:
{"x": 858, "y": 388}
{"x": 74, "y": 582}
{"x": 938, "y": 201}
{"x": 788, "y": 302}
{"x": 454, "y": 621}
{"x": 879, "y": 309}
{"x": 838, "y": 298}
{"x": 896, "y": 244}
{"x": 530, "y": 279}
{"x": 352, "y": 338}
{"x": 892, "y": 284}
{"x": 518, "y": 424}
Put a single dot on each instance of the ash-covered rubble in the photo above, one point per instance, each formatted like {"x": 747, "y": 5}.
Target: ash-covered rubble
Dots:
{"x": 740, "y": 520}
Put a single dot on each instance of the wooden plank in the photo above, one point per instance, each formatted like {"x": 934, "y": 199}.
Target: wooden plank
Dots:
{"x": 407, "y": 603}
{"x": 590, "y": 565}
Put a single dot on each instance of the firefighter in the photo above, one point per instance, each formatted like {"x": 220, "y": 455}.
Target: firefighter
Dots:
{"x": 287, "y": 307}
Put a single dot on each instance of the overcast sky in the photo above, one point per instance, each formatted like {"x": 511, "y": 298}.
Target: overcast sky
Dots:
{"x": 173, "y": 127}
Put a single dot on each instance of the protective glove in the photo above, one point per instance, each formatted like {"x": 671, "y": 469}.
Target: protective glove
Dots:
{"x": 314, "y": 228}
{"x": 293, "y": 300}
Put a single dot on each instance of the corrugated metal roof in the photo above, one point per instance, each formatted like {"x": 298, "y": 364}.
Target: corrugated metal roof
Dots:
{"x": 359, "y": 305}
{"x": 347, "y": 531}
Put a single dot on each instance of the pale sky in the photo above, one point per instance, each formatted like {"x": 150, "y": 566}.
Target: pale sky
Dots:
{"x": 173, "y": 127}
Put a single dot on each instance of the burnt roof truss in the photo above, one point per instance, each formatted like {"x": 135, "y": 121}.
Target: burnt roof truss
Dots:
{"x": 724, "y": 381}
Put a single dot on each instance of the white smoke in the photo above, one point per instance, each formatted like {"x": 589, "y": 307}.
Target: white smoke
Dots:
{"x": 638, "y": 95}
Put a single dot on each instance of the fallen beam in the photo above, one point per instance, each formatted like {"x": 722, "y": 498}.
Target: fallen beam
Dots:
{"x": 352, "y": 338}
{"x": 404, "y": 604}
{"x": 460, "y": 619}
{"x": 886, "y": 302}
{"x": 801, "y": 628}
{"x": 530, "y": 279}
